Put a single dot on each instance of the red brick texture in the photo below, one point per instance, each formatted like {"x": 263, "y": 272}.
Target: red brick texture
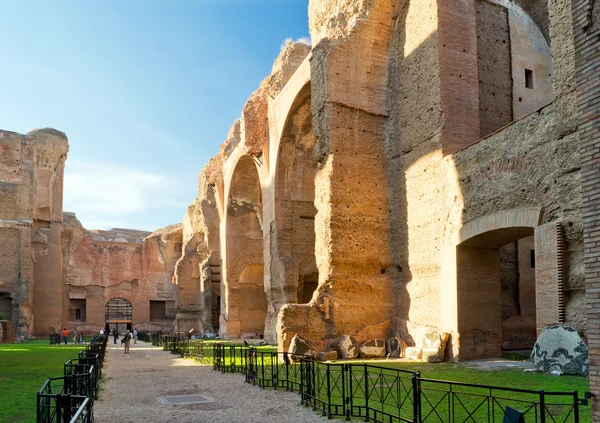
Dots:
{"x": 586, "y": 30}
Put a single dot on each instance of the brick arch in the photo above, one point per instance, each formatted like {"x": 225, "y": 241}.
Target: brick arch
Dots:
{"x": 486, "y": 320}
{"x": 494, "y": 229}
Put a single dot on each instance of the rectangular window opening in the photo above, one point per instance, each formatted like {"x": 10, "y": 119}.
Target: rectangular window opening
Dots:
{"x": 532, "y": 258}
{"x": 158, "y": 311}
{"x": 529, "y": 79}
{"x": 77, "y": 310}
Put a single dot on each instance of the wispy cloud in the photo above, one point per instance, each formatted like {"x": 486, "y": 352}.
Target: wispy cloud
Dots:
{"x": 106, "y": 195}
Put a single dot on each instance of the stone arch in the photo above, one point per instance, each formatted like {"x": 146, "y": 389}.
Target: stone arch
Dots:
{"x": 294, "y": 188}
{"x": 118, "y": 313}
{"x": 496, "y": 284}
{"x": 244, "y": 246}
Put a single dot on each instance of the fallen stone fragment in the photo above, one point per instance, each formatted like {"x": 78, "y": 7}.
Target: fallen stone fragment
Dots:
{"x": 561, "y": 349}
{"x": 348, "y": 347}
{"x": 301, "y": 347}
{"x": 395, "y": 347}
{"x": 327, "y": 356}
{"x": 414, "y": 353}
{"x": 373, "y": 348}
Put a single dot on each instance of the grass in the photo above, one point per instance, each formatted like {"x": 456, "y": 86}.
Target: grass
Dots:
{"x": 23, "y": 370}
{"x": 390, "y": 392}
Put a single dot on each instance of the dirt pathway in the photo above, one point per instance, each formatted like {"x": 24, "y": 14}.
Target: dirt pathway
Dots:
{"x": 134, "y": 386}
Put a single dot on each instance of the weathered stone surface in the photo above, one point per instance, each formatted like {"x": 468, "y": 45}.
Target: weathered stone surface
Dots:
{"x": 373, "y": 348}
{"x": 434, "y": 345}
{"x": 395, "y": 347}
{"x": 414, "y": 353}
{"x": 134, "y": 265}
{"x": 327, "y": 356}
{"x": 368, "y": 202}
{"x": 300, "y": 347}
{"x": 560, "y": 348}
{"x": 348, "y": 347}
{"x": 31, "y": 190}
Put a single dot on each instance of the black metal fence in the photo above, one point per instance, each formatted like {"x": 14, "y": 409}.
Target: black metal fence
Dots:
{"x": 378, "y": 393}
{"x": 57, "y": 339}
{"x": 70, "y": 398}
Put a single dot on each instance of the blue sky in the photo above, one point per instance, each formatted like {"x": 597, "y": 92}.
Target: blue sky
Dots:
{"x": 145, "y": 90}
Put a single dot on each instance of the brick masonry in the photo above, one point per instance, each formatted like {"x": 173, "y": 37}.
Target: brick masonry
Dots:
{"x": 586, "y": 30}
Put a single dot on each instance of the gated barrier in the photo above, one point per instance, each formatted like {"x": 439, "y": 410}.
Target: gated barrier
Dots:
{"x": 378, "y": 393}
{"x": 70, "y": 399}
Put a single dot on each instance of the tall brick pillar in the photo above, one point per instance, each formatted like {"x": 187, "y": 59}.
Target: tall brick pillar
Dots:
{"x": 586, "y": 31}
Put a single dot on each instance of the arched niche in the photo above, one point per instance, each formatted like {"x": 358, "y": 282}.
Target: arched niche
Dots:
{"x": 245, "y": 301}
{"x": 294, "y": 202}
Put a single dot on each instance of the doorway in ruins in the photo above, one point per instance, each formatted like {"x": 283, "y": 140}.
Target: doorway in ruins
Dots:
{"x": 295, "y": 204}
{"x": 118, "y": 314}
{"x": 5, "y": 306}
{"x": 246, "y": 301}
{"x": 496, "y": 293}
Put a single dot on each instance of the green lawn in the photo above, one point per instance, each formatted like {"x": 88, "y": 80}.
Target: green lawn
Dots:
{"x": 23, "y": 370}
{"x": 390, "y": 391}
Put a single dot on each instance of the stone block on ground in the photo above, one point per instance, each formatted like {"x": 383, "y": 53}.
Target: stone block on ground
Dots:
{"x": 327, "y": 356}
{"x": 414, "y": 353}
{"x": 434, "y": 345}
{"x": 301, "y": 347}
{"x": 373, "y": 348}
{"x": 561, "y": 349}
{"x": 395, "y": 347}
{"x": 348, "y": 347}
{"x": 431, "y": 355}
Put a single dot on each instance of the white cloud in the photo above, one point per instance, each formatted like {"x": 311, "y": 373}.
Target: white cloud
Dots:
{"x": 105, "y": 195}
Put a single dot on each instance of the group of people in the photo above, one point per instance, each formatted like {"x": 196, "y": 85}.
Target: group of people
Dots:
{"x": 126, "y": 338}
{"x": 77, "y": 336}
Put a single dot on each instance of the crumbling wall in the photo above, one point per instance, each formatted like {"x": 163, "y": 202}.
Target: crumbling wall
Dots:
{"x": 432, "y": 196}
{"x": 351, "y": 223}
{"x": 31, "y": 183}
{"x": 134, "y": 265}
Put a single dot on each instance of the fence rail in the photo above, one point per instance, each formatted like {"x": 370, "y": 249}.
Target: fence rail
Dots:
{"x": 70, "y": 399}
{"x": 377, "y": 393}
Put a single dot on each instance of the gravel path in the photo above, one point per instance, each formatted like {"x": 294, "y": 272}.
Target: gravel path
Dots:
{"x": 131, "y": 385}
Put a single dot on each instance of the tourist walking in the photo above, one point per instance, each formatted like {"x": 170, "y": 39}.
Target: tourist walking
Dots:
{"x": 75, "y": 336}
{"x": 126, "y": 341}
{"x": 65, "y": 335}
{"x": 135, "y": 335}
{"x": 115, "y": 335}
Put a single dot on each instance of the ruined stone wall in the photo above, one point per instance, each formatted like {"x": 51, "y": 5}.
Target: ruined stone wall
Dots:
{"x": 31, "y": 183}
{"x": 586, "y": 20}
{"x": 388, "y": 161}
{"x": 134, "y": 265}
{"x": 529, "y": 163}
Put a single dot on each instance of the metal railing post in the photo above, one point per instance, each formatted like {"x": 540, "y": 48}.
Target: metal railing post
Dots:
{"x": 328, "y": 374}
{"x": 576, "y": 406}
{"x": 366, "y": 376}
{"x": 416, "y": 386}
{"x": 349, "y": 399}
{"x": 542, "y": 406}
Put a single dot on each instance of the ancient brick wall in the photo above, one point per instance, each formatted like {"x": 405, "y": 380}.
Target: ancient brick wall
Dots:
{"x": 586, "y": 27}
{"x": 134, "y": 265}
{"x": 31, "y": 183}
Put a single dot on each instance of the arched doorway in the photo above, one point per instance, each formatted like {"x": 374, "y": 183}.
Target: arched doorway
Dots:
{"x": 294, "y": 272}
{"x": 490, "y": 302}
{"x": 245, "y": 310}
{"x": 118, "y": 314}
